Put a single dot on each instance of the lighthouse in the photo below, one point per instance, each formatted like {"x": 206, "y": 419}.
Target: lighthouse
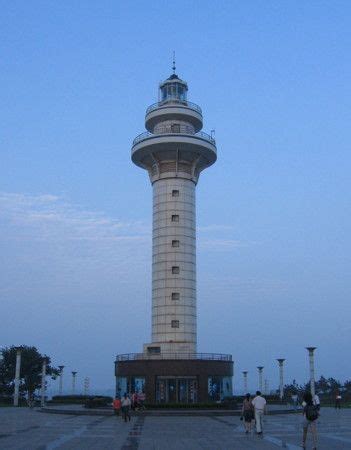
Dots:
{"x": 174, "y": 151}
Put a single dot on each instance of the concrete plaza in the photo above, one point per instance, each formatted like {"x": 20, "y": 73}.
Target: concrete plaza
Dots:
{"x": 31, "y": 430}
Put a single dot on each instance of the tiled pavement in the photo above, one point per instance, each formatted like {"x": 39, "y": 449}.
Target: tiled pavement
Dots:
{"x": 23, "y": 429}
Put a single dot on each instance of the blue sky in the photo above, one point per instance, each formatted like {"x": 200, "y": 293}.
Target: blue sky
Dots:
{"x": 273, "y": 213}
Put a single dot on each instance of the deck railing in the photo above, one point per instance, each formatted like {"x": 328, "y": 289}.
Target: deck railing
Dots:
{"x": 183, "y": 129}
{"x": 173, "y": 102}
{"x": 202, "y": 356}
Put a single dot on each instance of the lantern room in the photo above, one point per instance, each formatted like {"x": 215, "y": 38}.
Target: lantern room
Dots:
{"x": 173, "y": 89}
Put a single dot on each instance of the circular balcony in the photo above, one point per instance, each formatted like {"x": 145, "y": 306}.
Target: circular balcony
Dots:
{"x": 167, "y": 131}
{"x": 196, "y": 150}
{"x": 175, "y": 101}
{"x": 173, "y": 110}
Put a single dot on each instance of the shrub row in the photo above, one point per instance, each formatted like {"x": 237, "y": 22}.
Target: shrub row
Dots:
{"x": 79, "y": 399}
{"x": 8, "y": 401}
{"x": 186, "y": 405}
{"x": 98, "y": 402}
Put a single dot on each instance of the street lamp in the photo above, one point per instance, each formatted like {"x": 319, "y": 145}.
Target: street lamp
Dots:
{"x": 43, "y": 382}
{"x": 245, "y": 372}
{"x": 74, "y": 374}
{"x": 281, "y": 377}
{"x": 311, "y": 358}
{"x": 61, "y": 379}
{"x": 260, "y": 378}
{"x": 17, "y": 375}
{"x": 86, "y": 385}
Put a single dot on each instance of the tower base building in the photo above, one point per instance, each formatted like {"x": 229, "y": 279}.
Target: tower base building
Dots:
{"x": 174, "y": 151}
{"x": 201, "y": 379}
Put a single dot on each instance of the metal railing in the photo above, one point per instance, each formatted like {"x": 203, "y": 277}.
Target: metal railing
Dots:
{"x": 174, "y": 102}
{"x": 183, "y": 129}
{"x": 202, "y": 356}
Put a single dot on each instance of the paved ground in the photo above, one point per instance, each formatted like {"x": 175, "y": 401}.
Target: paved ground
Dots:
{"x": 23, "y": 429}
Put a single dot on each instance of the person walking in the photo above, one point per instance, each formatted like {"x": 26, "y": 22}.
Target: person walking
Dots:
{"x": 338, "y": 400}
{"x": 295, "y": 398}
{"x": 134, "y": 401}
{"x": 125, "y": 403}
{"x": 310, "y": 416}
{"x": 316, "y": 401}
{"x": 141, "y": 401}
{"x": 116, "y": 406}
{"x": 260, "y": 405}
{"x": 247, "y": 413}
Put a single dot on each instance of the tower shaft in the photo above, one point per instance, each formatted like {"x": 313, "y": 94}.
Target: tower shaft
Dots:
{"x": 174, "y": 265}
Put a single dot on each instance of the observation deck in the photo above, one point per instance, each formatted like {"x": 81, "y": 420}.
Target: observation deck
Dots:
{"x": 173, "y": 109}
{"x": 171, "y": 141}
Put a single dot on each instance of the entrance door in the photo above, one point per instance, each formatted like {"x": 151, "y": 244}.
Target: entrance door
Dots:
{"x": 161, "y": 391}
{"x": 182, "y": 390}
{"x": 176, "y": 390}
{"x": 172, "y": 390}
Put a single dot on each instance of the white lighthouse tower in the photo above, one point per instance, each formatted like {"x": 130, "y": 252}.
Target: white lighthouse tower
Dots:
{"x": 174, "y": 151}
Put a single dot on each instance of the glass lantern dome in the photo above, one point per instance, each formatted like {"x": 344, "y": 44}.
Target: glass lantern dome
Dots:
{"x": 173, "y": 90}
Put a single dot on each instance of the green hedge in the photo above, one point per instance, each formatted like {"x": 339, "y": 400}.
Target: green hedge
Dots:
{"x": 8, "y": 401}
{"x": 270, "y": 399}
{"x": 67, "y": 399}
{"x": 186, "y": 406}
{"x": 98, "y": 402}
{"x": 79, "y": 399}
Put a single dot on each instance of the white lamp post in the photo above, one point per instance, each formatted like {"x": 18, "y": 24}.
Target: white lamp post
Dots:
{"x": 61, "y": 379}
{"x": 312, "y": 378}
{"x": 245, "y": 372}
{"x": 74, "y": 374}
{"x": 260, "y": 378}
{"x": 43, "y": 381}
{"x": 281, "y": 377}
{"x": 17, "y": 376}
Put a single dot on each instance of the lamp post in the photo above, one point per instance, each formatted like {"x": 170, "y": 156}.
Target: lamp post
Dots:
{"x": 311, "y": 358}
{"x": 43, "y": 381}
{"x": 245, "y": 381}
{"x": 281, "y": 377}
{"x": 86, "y": 385}
{"x": 17, "y": 375}
{"x": 266, "y": 386}
{"x": 74, "y": 374}
{"x": 61, "y": 379}
{"x": 260, "y": 378}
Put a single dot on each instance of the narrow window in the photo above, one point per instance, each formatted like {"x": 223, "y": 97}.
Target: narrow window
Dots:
{"x": 175, "y": 193}
{"x": 175, "y": 128}
{"x": 175, "y": 296}
{"x": 154, "y": 350}
{"x": 175, "y": 269}
{"x": 175, "y": 323}
{"x": 175, "y": 243}
{"x": 175, "y": 218}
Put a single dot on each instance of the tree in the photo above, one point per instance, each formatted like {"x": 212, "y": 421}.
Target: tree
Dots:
{"x": 292, "y": 389}
{"x": 322, "y": 385}
{"x": 31, "y": 367}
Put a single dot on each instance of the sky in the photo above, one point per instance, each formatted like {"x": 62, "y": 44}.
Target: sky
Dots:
{"x": 273, "y": 213}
